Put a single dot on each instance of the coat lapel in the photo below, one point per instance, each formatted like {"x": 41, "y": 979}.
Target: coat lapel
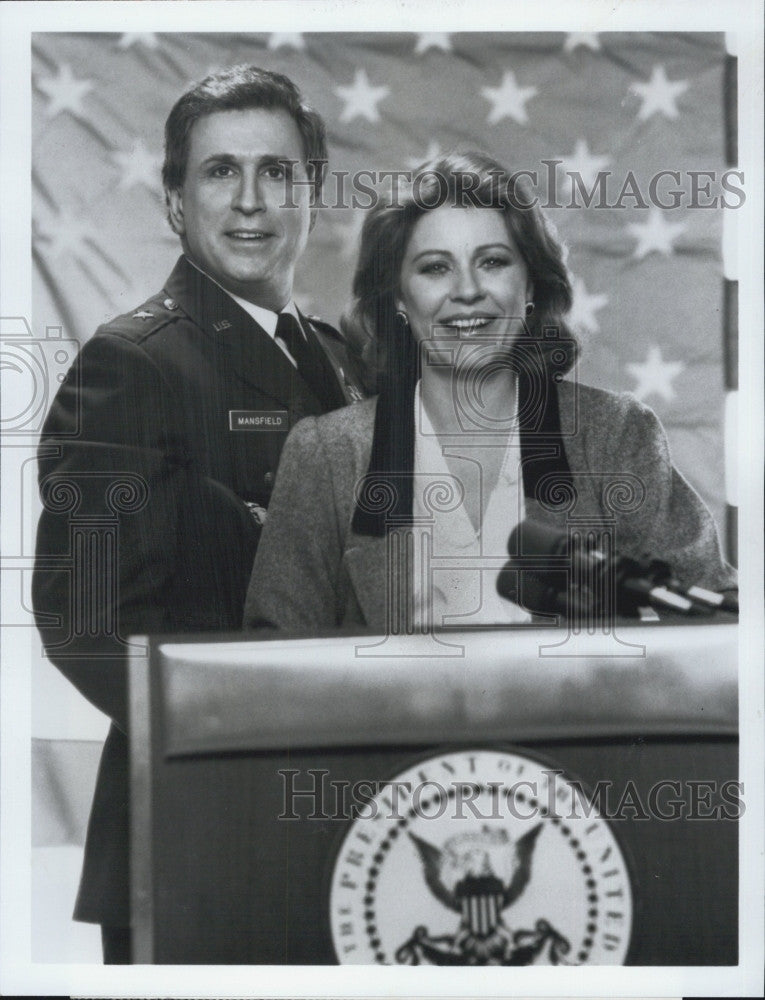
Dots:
{"x": 547, "y": 479}
{"x": 246, "y": 350}
{"x": 544, "y": 462}
{"x": 331, "y": 350}
{"x": 325, "y": 364}
{"x": 365, "y": 561}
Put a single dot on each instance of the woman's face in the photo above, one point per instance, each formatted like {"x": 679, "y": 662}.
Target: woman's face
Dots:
{"x": 464, "y": 278}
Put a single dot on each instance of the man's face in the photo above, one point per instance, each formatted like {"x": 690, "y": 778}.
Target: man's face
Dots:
{"x": 236, "y": 215}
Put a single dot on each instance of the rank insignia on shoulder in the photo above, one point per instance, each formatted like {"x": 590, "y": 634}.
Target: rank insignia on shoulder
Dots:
{"x": 142, "y": 314}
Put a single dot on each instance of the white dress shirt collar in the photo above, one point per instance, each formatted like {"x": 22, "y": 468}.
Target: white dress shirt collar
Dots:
{"x": 457, "y": 583}
{"x": 263, "y": 317}
{"x": 266, "y": 318}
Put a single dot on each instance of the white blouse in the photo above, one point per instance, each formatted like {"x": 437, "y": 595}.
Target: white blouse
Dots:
{"x": 456, "y": 567}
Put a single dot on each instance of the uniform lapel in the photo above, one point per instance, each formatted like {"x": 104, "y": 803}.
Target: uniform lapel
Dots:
{"x": 324, "y": 373}
{"x": 244, "y": 347}
{"x": 343, "y": 383}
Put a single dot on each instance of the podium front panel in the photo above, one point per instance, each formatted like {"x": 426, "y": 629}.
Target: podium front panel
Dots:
{"x": 251, "y": 760}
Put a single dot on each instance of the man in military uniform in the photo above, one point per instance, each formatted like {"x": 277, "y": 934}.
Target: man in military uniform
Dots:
{"x": 172, "y": 420}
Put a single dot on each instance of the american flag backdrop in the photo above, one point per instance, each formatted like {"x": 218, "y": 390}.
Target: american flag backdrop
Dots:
{"x": 655, "y": 309}
{"x": 649, "y": 306}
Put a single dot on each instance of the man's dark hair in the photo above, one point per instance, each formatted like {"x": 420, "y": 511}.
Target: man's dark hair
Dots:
{"x": 237, "y": 89}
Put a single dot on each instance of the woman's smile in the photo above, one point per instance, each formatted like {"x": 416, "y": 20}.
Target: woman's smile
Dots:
{"x": 462, "y": 275}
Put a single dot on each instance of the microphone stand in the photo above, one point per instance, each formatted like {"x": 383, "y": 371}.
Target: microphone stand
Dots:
{"x": 583, "y": 582}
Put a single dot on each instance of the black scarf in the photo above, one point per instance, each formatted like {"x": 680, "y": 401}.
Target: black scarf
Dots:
{"x": 385, "y": 496}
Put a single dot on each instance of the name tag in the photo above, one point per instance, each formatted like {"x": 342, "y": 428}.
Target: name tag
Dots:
{"x": 258, "y": 420}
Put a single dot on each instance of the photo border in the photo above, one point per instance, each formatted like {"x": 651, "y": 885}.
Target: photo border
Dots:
{"x": 745, "y": 19}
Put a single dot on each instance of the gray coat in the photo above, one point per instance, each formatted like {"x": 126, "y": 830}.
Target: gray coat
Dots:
{"x": 314, "y": 572}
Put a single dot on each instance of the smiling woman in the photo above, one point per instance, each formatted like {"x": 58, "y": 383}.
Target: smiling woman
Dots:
{"x": 395, "y": 514}
{"x": 464, "y": 276}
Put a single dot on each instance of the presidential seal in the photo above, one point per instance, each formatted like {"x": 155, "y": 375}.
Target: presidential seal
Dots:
{"x": 480, "y": 857}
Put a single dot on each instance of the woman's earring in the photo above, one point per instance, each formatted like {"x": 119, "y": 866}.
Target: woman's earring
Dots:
{"x": 402, "y": 317}
{"x": 529, "y": 308}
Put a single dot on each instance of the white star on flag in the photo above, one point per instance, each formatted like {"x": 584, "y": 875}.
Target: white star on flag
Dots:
{"x": 582, "y": 315}
{"x": 433, "y": 40}
{"x": 588, "y": 39}
{"x": 432, "y": 152}
{"x": 65, "y": 92}
{"x": 585, "y": 163}
{"x": 361, "y": 98}
{"x": 284, "y": 39}
{"x": 656, "y": 234}
{"x": 128, "y": 298}
{"x": 147, "y": 38}
{"x": 659, "y": 94}
{"x": 138, "y": 166}
{"x": 654, "y": 376}
{"x": 508, "y": 100}
{"x": 68, "y": 234}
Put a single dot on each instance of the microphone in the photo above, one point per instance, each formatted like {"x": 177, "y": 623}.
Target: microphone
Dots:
{"x": 723, "y": 602}
{"x": 709, "y": 599}
{"x": 554, "y": 572}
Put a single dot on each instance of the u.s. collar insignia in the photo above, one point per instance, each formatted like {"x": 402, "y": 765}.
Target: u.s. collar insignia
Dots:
{"x": 480, "y": 857}
{"x": 354, "y": 392}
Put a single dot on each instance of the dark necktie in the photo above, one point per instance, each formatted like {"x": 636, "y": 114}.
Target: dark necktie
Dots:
{"x": 309, "y": 365}
{"x": 289, "y": 332}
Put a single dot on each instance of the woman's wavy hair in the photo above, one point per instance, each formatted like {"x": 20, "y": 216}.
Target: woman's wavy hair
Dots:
{"x": 463, "y": 180}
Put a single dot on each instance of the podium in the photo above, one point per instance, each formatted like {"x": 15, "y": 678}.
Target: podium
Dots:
{"x": 528, "y": 807}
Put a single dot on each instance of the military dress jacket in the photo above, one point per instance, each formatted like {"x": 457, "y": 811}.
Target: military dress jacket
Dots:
{"x": 156, "y": 466}
{"x": 597, "y": 458}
